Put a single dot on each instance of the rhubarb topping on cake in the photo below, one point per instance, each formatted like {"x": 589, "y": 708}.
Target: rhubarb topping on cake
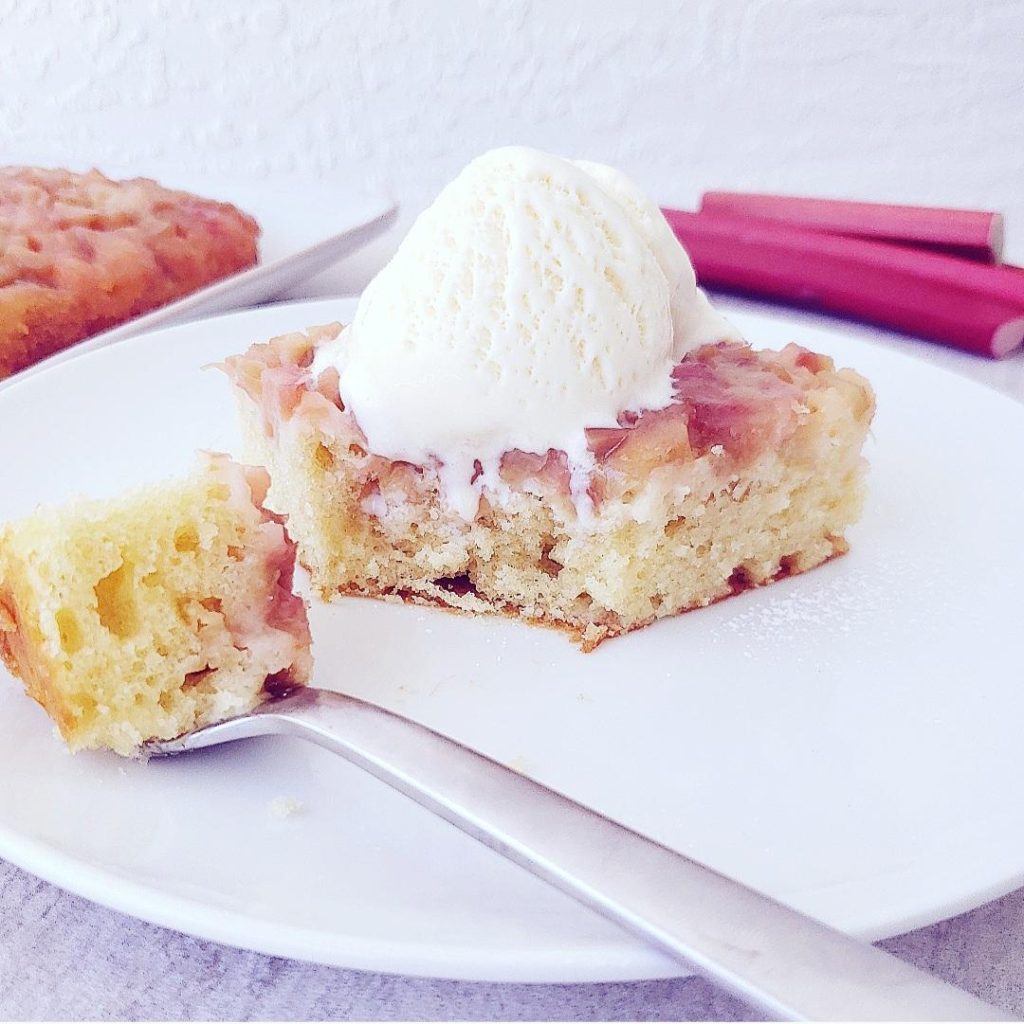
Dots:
{"x": 80, "y": 253}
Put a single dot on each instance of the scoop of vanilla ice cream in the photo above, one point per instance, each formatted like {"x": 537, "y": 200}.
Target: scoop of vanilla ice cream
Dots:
{"x": 535, "y": 298}
{"x": 695, "y": 321}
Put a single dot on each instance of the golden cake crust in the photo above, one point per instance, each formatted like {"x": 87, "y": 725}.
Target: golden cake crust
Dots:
{"x": 586, "y": 636}
{"x": 19, "y": 644}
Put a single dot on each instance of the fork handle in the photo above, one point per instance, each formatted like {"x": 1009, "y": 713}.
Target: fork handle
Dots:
{"x": 785, "y": 964}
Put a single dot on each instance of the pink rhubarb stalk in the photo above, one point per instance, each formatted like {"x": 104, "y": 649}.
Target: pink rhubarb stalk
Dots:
{"x": 972, "y": 234}
{"x": 970, "y": 306}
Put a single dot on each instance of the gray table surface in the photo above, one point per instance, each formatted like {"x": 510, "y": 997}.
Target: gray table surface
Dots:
{"x": 62, "y": 957}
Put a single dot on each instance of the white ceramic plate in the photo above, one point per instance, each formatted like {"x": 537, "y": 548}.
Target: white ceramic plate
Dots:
{"x": 305, "y": 227}
{"x": 847, "y": 740}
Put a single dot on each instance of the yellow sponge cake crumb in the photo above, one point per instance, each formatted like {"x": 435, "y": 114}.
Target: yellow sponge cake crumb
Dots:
{"x": 145, "y": 617}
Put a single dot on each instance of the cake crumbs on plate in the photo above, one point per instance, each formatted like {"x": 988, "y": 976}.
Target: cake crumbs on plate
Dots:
{"x": 285, "y": 807}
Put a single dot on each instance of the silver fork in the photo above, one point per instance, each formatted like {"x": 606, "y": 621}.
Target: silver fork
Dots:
{"x": 786, "y": 965}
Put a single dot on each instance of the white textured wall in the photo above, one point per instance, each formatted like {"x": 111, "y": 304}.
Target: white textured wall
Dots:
{"x": 921, "y": 100}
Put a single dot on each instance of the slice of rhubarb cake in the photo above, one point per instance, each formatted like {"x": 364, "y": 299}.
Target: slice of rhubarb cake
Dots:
{"x": 536, "y": 411}
{"x": 752, "y": 472}
{"x": 148, "y": 616}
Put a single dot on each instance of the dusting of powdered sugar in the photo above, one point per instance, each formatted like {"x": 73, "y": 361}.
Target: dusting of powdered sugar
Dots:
{"x": 808, "y": 607}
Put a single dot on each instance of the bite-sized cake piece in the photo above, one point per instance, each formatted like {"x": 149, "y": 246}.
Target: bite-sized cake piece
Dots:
{"x": 751, "y": 473}
{"x": 80, "y": 253}
{"x": 535, "y": 410}
{"x": 147, "y": 616}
